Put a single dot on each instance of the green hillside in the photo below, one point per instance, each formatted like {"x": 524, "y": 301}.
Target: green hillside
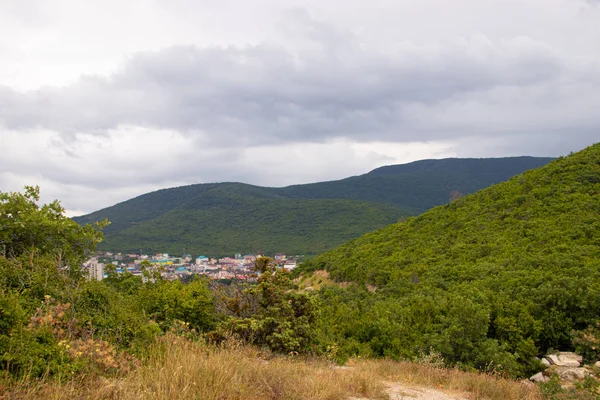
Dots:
{"x": 420, "y": 185}
{"x": 500, "y": 275}
{"x": 221, "y": 218}
{"x": 130, "y": 336}
{"x": 248, "y": 224}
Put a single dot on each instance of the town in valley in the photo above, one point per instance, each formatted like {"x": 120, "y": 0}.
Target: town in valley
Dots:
{"x": 180, "y": 267}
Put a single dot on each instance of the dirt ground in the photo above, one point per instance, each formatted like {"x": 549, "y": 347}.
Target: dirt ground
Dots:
{"x": 399, "y": 391}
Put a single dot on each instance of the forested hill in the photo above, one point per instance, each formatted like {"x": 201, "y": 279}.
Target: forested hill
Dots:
{"x": 219, "y": 218}
{"x": 536, "y": 219}
{"x": 420, "y": 185}
{"x": 504, "y": 274}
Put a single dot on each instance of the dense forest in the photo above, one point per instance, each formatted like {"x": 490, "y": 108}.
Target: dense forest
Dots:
{"x": 220, "y": 218}
{"x": 490, "y": 280}
{"x": 229, "y": 220}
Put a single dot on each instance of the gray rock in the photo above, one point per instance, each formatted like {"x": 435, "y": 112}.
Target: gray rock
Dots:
{"x": 539, "y": 377}
{"x": 571, "y": 374}
{"x": 546, "y": 362}
{"x": 565, "y": 359}
{"x": 571, "y": 355}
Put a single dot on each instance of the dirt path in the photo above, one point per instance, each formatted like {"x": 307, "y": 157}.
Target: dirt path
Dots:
{"x": 399, "y": 391}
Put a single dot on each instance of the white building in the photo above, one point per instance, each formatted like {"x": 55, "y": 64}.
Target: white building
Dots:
{"x": 96, "y": 269}
{"x": 202, "y": 260}
{"x": 290, "y": 265}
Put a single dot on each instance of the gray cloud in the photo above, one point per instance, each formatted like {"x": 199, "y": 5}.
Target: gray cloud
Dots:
{"x": 304, "y": 99}
{"x": 265, "y": 94}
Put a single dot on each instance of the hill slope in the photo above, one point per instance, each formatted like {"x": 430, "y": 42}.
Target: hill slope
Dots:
{"x": 247, "y": 224}
{"x": 499, "y": 275}
{"x": 220, "y": 218}
{"x": 420, "y": 185}
{"x": 540, "y": 214}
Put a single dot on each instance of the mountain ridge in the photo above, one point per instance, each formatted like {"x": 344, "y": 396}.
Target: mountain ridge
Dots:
{"x": 407, "y": 190}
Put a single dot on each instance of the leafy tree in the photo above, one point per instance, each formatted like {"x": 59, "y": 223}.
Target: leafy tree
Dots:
{"x": 28, "y": 229}
{"x": 41, "y": 255}
{"x": 284, "y": 318}
{"x": 166, "y": 302}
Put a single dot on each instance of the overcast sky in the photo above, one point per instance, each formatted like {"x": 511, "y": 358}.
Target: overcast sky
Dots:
{"x": 101, "y": 101}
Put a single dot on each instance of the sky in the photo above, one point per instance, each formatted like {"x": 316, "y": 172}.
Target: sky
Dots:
{"x": 101, "y": 101}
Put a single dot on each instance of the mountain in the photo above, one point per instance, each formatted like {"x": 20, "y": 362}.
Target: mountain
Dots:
{"x": 420, "y": 185}
{"x": 221, "y": 223}
{"x": 221, "y": 218}
{"x": 499, "y": 276}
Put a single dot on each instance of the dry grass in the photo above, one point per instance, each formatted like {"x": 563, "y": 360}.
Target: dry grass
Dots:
{"x": 183, "y": 370}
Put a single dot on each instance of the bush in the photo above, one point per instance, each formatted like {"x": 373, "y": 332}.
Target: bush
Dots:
{"x": 284, "y": 319}
{"x": 587, "y": 343}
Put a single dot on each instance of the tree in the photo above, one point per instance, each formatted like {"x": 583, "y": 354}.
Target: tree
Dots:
{"x": 285, "y": 317}
{"x": 28, "y": 229}
{"x": 41, "y": 252}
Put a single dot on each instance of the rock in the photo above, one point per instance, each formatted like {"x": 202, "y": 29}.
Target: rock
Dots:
{"x": 546, "y": 362}
{"x": 565, "y": 359}
{"x": 572, "y": 355}
{"x": 597, "y": 364}
{"x": 571, "y": 374}
{"x": 539, "y": 377}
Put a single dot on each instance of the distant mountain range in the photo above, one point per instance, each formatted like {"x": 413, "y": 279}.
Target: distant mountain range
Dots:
{"x": 222, "y": 218}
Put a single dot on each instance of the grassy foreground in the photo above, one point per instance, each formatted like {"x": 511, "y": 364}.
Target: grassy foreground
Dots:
{"x": 179, "y": 369}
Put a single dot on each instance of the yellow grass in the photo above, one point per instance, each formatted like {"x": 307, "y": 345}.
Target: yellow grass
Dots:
{"x": 183, "y": 370}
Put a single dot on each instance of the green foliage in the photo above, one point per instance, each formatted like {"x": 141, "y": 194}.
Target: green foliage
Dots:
{"x": 29, "y": 229}
{"x": 284, "y": 319}
{"x": 420, "y": 185}
{"x": 587, "y": 342}
{"x": 235, "y": 222}
{"x": 552, "y": 388}
{"x": 166, "y": 302}
{"x": 54, "y": 321}
{"x": 217, "y": 219}
{"x": 33, "y": 354}
{"x": 448, "y": 286}
{"x": 586, "y": 390}
{"x": 489, "y": 281}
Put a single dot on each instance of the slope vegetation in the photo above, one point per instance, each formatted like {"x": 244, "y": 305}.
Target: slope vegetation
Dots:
{"x": 220, "y": 218}
{"x": 420, "y": 185}
{"x": 221, "y": 223}
{"x": 495, "y": 277}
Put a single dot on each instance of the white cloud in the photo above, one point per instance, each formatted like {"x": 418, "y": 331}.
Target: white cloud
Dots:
{"x": 100, "y": 101}
{"x": 90, "y": 172}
